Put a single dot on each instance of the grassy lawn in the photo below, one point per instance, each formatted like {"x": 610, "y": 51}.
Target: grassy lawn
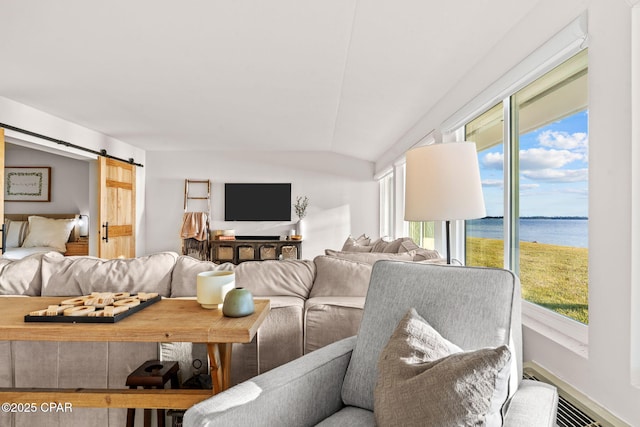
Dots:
{"x": 555, "y": 277}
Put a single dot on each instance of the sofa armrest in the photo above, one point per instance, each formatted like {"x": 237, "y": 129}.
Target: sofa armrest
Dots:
{"x": 535, "y": 404}
{"x": 301, "y": 392}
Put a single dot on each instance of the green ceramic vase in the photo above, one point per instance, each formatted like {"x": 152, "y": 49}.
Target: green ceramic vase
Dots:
{"x": 238, "y": 303}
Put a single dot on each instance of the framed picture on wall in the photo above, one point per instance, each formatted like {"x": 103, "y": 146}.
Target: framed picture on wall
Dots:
{"x": 27, "y": 184}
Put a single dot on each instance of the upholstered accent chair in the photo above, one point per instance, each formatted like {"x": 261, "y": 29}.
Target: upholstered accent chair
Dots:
{"x": 473, "y": 308}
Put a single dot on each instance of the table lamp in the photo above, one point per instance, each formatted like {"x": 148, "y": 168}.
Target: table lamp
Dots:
{"x": 443, "y": 184}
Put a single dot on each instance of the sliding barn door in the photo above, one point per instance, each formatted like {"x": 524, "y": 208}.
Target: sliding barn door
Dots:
{"x": 117, "y": 197}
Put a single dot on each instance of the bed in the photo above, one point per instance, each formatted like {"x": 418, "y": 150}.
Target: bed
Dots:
{"x": 27, "y": 234}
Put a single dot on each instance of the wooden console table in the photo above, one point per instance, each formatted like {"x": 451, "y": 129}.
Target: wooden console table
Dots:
{"x": 168, "y": 320}
{"x": 237, "y": 251}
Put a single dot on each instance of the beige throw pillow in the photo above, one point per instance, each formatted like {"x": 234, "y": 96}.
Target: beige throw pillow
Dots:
{"x": 425, "y": 380}
{"x": 357, "y": 244}
{"x": 49, "y": 232}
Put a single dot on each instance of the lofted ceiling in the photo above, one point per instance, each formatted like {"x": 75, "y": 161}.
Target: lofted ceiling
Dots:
{"x": 345, "y": 76}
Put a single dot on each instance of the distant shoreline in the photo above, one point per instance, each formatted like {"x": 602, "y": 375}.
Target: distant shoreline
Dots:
{"x": 540, "y": 217}
{"x": 562, "y": 231}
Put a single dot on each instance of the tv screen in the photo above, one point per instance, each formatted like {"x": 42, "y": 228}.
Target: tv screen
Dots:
{"x": 257, "y": 202}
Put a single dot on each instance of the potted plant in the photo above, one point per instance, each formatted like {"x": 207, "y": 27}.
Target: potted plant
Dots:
{"x": 300, "y": 207}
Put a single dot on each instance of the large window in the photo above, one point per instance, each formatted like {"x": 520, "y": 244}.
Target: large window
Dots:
{"x": 387, "y": 201}
{"x": 423, "y": 233}
{"x": 533, "y": 156}
{"x": 485, "y": 237}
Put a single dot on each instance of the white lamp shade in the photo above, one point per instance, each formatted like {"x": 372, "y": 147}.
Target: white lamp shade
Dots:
{"x": 443, "y": 183}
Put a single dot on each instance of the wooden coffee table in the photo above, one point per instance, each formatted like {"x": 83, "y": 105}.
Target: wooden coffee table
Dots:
{"x": 168, "y": 320}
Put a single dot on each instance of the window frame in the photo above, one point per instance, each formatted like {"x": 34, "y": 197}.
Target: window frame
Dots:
{"x": 567, "y": 42}
{"x": 564, "y": 330}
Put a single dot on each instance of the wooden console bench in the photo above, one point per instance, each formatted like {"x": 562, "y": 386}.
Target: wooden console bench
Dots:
{"x": 237, "y": 251}
{"x": 168, "y": 320}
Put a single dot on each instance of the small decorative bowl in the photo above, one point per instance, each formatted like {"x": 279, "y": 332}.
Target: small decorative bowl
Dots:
{"x": 296, "y": 237}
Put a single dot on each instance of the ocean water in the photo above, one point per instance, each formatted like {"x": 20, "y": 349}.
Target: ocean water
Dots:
{"x": 554, "y": 231}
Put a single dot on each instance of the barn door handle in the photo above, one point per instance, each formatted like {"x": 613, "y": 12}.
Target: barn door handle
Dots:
{"x": 105, "y": 226}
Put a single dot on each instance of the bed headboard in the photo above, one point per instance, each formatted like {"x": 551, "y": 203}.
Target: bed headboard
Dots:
{"x": 75, "y": 233}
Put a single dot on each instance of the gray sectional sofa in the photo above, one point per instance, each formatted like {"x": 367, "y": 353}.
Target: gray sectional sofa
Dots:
{"x": 313, "y": 303}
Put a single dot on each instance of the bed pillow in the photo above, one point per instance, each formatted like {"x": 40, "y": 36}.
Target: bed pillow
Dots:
{"x": 424, "y": 379}
{"x": 49, "y": 232}
{"x": 16, "y": 231}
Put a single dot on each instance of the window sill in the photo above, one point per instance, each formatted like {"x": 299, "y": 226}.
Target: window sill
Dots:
{"x": 567, "y": 332}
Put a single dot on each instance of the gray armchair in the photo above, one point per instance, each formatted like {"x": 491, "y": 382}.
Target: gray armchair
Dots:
{"x": 334, "y": 386}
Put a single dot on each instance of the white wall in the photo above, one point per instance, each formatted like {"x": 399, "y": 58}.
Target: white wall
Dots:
{"x": 28, "y": 118}
{"x": 605, "y": 375}
{"x": 343, "y": 195}
{"x": 69, "y": 182}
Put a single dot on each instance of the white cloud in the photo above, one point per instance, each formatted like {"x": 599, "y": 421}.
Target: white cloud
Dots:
{"x": 529, "y": 186}
{"x": 493, "y": 161}
{"x": 564, "y": 140}
{"x": 534, "y": 158}
{"x": 540, "y": 158}
{"x": 492, "y": 183}
{"x": 557, "y": 175}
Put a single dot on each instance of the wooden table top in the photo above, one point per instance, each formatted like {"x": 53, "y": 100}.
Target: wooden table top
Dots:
{"x": 168, "y": 320}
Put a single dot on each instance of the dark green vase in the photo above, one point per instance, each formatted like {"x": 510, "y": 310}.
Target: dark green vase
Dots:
{"x": 238, "y": 303}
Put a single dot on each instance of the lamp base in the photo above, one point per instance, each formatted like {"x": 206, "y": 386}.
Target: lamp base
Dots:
{"x": 448, "y": 237}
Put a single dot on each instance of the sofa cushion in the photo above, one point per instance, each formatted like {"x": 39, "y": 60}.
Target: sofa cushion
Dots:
{"x": 66, "y": 276}
{"x": 423, "y": 379}
{"x": 370, "y": 257}
{"x": 270, "y": 278}
{"x": 280, "y": 337}
{"x": 21, "y": 277}
{"x": 330, "y": 319}
{"x": 185, "y": 272}
{"x": 340, "y": 277}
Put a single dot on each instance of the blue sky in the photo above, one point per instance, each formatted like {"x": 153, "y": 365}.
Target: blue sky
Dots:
{"x": 553, "y": 170}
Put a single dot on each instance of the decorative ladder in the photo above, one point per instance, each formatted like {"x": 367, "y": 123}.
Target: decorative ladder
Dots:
{"x": 194, "y": 190}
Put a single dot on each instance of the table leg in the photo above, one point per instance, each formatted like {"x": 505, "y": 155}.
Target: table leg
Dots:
{"x": 225, "y": 360}
{"x": 220, "y": 365}
{"x": 216, "y": 369}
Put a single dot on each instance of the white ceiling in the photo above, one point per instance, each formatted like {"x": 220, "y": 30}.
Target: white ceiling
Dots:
{"x": 346, "y": 76}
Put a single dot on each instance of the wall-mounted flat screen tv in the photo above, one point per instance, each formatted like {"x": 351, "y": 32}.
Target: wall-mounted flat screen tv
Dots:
{"x": 257, "y": 202}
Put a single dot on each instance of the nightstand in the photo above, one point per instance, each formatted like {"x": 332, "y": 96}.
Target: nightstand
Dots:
{"x": 80, "y": 247}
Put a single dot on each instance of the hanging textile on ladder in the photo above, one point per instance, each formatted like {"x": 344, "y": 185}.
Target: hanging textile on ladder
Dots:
{"x": 195, "y": 224}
